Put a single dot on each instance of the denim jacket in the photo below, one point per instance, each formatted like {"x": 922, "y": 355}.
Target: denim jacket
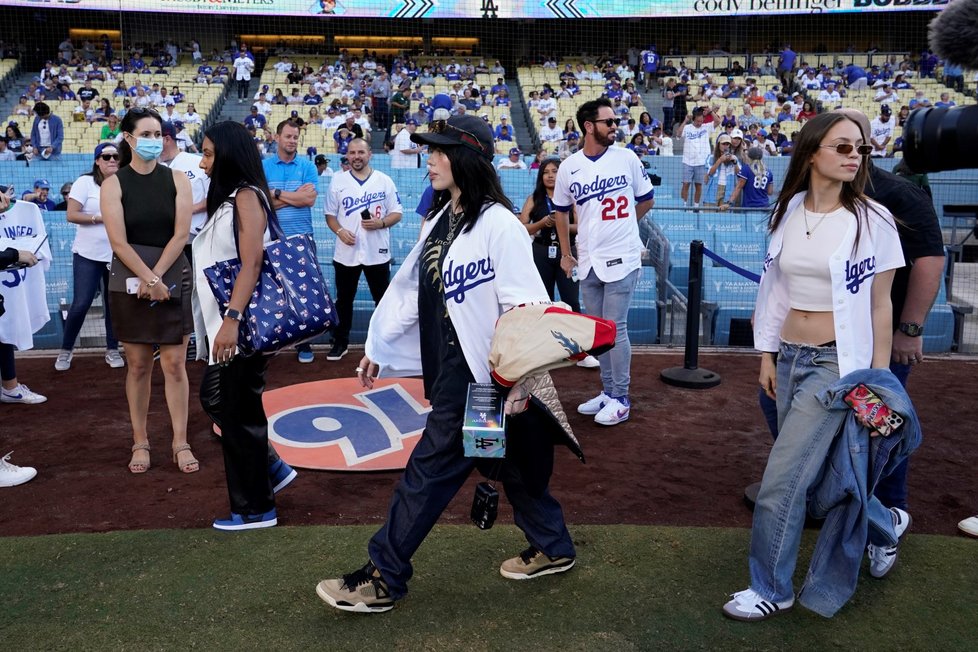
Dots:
{"x": 843, "y": 496}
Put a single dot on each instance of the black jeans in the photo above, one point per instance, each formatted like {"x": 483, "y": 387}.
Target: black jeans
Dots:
{"x": 243, "y": 88}
{"x": 232, "y": 397}
{"x": 347, "y": 279}
{"x": 552, "y": 274}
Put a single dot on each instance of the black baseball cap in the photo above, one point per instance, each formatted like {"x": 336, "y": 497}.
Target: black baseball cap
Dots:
{"x": 465, "y": 130}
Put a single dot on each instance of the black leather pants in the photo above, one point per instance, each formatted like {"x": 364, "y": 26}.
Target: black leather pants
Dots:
{"x": 232, "y": 397}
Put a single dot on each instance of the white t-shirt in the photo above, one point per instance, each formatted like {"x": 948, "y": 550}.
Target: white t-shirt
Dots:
{"x": 25, "y": 300}
{"x": 333, "y": 122}
{"x": 346, "y": 199}
{"x": 551, "y": 134}
{"x": 506, "y": 164}
{"x": 548, "y": 106}
{"x": 879, "y": 130}
{"x": 398, "y": 158}
{"x": 604, "y": 193}
{"x": 696, "y": 143}
{"x": 91, "y": 240}
{"x": 189, "y": 164}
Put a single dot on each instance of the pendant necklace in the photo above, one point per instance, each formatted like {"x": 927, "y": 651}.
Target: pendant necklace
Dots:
{"x": 810, "y": 230}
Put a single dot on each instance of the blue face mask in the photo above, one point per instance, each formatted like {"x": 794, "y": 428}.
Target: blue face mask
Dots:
{"x": 149, "y": 149}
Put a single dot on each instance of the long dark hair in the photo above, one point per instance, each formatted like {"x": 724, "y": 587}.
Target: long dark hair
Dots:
{"x": 797, "y": 178}
{"x": 127, "y": 125}
{"x": 478, "y": 182}
{"x": 540, "y": 205}
{"x": 236, "y": 164}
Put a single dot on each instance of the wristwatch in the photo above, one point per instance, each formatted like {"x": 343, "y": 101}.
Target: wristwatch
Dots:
{"x": 278, "y": 193}
{"x": 234, "y": 314}
{"x": 911, "y": 329}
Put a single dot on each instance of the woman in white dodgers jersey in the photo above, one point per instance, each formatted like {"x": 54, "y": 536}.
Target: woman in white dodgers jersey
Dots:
{"x": 823, "y": 311}
{"x": 610, "y": 191}
{"x": 471, "y": 263}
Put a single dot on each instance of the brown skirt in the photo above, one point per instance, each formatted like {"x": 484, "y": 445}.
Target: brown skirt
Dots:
{"x": 135, "y": 320}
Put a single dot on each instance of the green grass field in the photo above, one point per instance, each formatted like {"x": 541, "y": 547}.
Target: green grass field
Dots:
{"x": 634, "y": 588}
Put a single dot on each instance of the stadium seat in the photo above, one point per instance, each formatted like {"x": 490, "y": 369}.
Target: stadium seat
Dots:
{"x": 726, "y": 296}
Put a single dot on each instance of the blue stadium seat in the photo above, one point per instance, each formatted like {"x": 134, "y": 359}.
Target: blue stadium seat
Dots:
{"x": 939, "y": 325}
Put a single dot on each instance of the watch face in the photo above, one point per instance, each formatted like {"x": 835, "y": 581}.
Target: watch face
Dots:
{"x": 911, "y": 329}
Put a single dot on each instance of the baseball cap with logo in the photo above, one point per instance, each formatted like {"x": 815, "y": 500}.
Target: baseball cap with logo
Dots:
{"x": 737, "y": 133}
{"x": 461, "y": 130}
{"x": 886, "y": 109}
{"x": 515, "y": 151}
{"x": 410, "y": 121}
{"x": 42, "y": 183}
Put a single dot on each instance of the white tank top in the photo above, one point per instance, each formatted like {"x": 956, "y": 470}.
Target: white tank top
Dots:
{"x": 804, "y": 259}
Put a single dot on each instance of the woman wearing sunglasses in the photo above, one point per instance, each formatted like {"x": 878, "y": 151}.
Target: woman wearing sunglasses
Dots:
{"x": 437, "y": 320}
{"x": 146, "y": 208}
{"x": 91, "y": 254}
{"x": 823, "y": 311}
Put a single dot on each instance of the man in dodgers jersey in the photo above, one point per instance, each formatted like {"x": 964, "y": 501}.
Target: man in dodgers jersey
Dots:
{"x": 361, "y": 207}
{"x": 610, "y": 192}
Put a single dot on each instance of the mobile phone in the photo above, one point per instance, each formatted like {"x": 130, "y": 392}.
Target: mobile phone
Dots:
{"x": 877, "y": 414}
{"x": 132, "y": 285}
{"x": 365, "y": 214}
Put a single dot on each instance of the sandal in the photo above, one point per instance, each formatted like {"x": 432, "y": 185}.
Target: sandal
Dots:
{"x": 191, "y": 466}
{"x": 139, "y": 467}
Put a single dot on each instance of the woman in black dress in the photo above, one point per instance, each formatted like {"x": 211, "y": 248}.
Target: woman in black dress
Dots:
{"x": 146, "y": 209}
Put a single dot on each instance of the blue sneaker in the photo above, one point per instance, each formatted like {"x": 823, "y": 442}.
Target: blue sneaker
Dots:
{"x": 247, "y": 522}
{"x": 306, "y": 356}
{"x": 282, "y": 474}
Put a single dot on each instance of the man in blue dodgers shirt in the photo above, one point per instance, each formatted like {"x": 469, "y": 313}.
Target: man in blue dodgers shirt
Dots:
{"x": 610, "y": 191}
{"x": 293, "y": 183}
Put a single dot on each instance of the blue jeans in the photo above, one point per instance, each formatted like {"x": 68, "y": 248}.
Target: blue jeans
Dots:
{"x": 806, "y": 431}
{"x": 611, "y": 301}
{"x": 435, "y": 472}
{"x": 89, "y": 276}
{"x": 892, "y": 489}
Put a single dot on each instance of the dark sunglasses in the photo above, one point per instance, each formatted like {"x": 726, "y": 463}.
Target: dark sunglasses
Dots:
{"x": 846, "y": 148}
{"x": 465, "y": 137}
{"x": 608, "y": 122}
{"x": 109, "y": 157}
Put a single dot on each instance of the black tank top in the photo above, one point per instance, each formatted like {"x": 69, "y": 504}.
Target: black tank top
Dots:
{"x": 149, "y": 205}
{"x": 548, "y": 235}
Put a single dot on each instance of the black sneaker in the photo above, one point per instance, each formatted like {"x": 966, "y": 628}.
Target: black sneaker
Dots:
{"x": 337, "y": 352}
{"x": 362, "y": 591}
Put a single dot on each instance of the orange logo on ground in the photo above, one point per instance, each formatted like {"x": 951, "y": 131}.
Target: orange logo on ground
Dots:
{"x": 337, "y": 425}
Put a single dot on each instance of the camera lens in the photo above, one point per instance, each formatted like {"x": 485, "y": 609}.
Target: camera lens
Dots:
{"x": 938, "y": 139}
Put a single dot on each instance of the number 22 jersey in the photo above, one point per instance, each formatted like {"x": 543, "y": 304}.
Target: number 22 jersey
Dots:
{"x": 604, "y": 191}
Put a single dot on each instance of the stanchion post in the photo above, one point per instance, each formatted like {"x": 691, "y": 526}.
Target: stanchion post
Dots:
{"x": 690, "y": 375}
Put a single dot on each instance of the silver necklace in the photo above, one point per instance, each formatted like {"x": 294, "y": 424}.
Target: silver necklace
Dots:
{"x": 810, "y": 230}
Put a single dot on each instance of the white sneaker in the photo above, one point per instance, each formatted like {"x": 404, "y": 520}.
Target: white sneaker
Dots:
{"x": 969, "y": 526}
{"x": 882, "y": 559}
{"x": 590, "y": 362}
{"x": 747, "y": 605}
{"x": 114, "y": 359}
{"x": 63, "y": 363}
{"x": 21, "y": 394}
{"x": 12, "y": 475}
{"x": 614, "y": 412}
{"x": 594, "y": 405}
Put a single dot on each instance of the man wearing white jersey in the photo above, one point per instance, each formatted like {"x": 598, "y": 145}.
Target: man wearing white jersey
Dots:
{"x": 696, "y": 149}
{"x": 610, "y": 192}
{"x": 189, "y": 164}
{"x": 361, "y": 207}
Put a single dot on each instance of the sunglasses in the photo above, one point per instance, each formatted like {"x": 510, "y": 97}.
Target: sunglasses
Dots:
{"x": 846, "y": 148}
{"x": 465, "y": 137}
{"x": 109, "y": 157}
{"x": 139, "y": 110}
{"x": 608, "y": 122}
